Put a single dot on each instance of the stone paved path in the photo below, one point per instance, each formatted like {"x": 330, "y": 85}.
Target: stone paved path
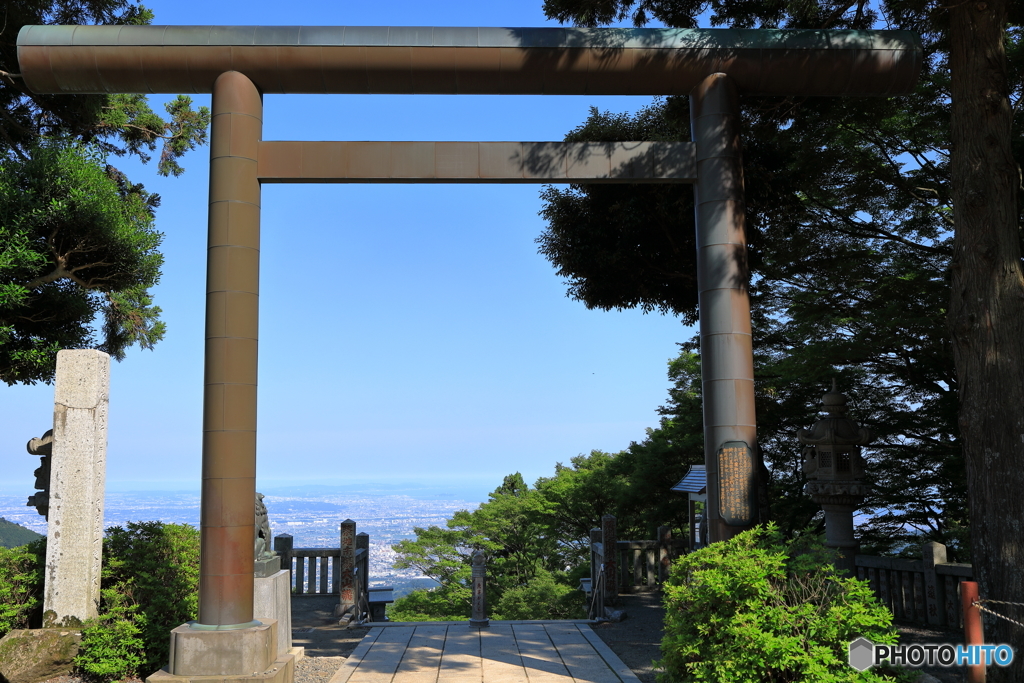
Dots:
{"x": 562, "y": 652}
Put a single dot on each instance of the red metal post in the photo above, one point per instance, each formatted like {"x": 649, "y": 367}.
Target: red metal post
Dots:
{"x": 973, "y": 634}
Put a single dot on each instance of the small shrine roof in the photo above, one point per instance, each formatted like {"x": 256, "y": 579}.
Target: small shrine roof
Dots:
{"x": 695, "y": 481}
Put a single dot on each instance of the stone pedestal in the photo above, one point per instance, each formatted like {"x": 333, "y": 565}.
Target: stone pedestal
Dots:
{"x": 839, "y": 535}
{"x": 77, "y": 478}
{"x": 839, "y": 500}
{"x": 261, "y": 569}
{"x": 272, "y": 600}
{"x": 220, "y": 656}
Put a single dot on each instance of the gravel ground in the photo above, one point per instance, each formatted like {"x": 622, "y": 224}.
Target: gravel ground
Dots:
{"x": 637, "y": 639}
{"x": 919, "y": 634}
{"x": 327, "y": 645}
{"x": 308, "y": 670}
{"x": 317, "y": 669}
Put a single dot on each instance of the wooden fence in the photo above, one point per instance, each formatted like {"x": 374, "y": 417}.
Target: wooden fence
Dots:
{"x": 343, "y": 571}
{"x": 317, "y": 571}
{"x": 925, "y": 591}
{"x": 634, "y": 566}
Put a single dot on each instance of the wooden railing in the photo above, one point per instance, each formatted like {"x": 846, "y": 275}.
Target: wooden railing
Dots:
{"x": 634, "y": 566}
{"x": 343, "y": 571}
{"x": 925, "y": 591}
{"x": 644, "y": 565}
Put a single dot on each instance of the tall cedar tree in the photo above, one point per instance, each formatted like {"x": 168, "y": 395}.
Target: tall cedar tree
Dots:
{"x": 878, "y": 226}
{"x": 986, "y": 316}
{"x": 84, "y": 244}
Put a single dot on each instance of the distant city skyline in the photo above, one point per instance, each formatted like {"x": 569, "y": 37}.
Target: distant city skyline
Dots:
{"x": 312, "y": 518}
{"x": 410, "y": 334}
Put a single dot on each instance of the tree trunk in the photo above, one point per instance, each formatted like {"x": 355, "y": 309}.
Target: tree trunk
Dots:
{"x": 986, "y": 313}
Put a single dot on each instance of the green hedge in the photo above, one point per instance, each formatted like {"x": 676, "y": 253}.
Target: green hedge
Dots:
{"x": 761, "y": 609}
{"x": 150, "y": 586}
{"x": 21, "y": 584}
{"x": 542, "y": 597}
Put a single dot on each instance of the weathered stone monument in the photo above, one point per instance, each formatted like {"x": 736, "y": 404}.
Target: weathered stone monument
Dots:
{"x": 346, "y": 570}
{"x": 835, "y": 473}
{"x": 70, "y": 485}
{"x": 478, "y": 617}
{"x": 77, "y": 474}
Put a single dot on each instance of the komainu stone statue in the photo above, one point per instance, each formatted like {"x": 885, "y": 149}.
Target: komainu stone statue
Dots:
{"x": 265, "y": 561}
{"x": 262, "y": 550}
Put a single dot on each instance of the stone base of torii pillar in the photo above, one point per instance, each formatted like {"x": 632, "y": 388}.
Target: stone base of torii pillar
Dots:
{"x": 217, "y": 656}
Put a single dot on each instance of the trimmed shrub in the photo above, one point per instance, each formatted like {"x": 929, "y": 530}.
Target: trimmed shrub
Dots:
{"x": 541, "y": 598}
{"x": 112, "y": 647}
{"x": 443, "y": 603}
{"x": 21, "y": 584}
{"x": 150, "y": 586}
{"x": 761, "y": 609}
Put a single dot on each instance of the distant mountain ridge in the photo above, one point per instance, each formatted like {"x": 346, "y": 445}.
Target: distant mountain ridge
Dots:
{"x": 12, "y": 535}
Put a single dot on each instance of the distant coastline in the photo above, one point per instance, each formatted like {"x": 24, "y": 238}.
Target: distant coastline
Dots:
{"x": 311, "y": 514}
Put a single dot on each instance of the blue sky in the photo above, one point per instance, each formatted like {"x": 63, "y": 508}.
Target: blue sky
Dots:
{"x": 408, "y": 333}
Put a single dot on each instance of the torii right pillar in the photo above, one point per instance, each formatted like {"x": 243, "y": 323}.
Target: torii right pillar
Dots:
{"x": 727, "y": 368}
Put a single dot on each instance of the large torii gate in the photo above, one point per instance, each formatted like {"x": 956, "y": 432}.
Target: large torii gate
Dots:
{"x": 239, "y": 64}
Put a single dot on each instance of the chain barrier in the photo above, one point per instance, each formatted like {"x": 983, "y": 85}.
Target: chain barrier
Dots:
{"x": 978, "y": 604}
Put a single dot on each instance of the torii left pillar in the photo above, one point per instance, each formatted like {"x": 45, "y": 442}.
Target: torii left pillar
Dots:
{"x": 226, "y": 642}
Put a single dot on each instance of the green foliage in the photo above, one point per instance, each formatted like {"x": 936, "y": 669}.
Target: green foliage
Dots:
{"x": 448, "y": 602}
{"x": 441, "y": 554}
{"x": 513, "y": 528}
{"x": 150, "y": 586}
{"x": 541, "y": 597}
{"x": 112, "y": 646}
{"x": 76, "y": 239}
{"x": 634, "y": 484}
{"x": 625, "y": 246}
{"x": 21, "y": 584}
{"x": 759, "y": 609}
{"x": 12, "y": 535}
{"x": 56, "y": 270}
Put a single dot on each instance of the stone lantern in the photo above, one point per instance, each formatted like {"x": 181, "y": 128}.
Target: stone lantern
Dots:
{"x": 835, "y": 473}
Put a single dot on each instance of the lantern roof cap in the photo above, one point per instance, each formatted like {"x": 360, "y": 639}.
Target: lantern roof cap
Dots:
{"x": 836, "y": 429}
